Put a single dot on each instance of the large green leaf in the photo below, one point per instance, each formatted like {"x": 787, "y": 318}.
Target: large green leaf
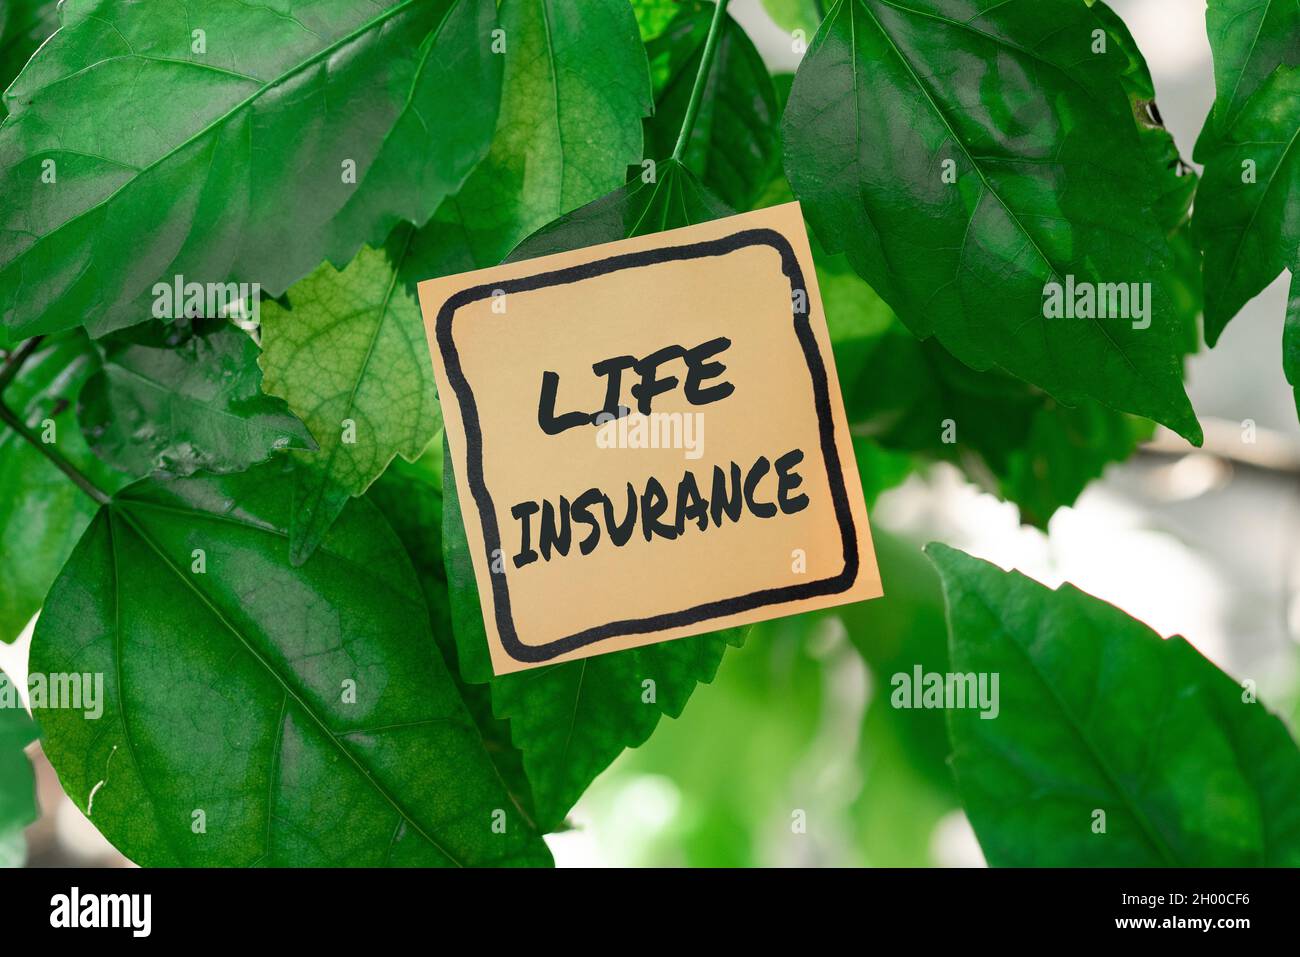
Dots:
{"x": 1248, "y": 39}
{"x": 410, "y": 496}
{"x": 42, "y": 513}
{"x": 733, "y": 146}
{"x": 1248, "y": 214}
{"x": 24, "y": 25}
{"x": 216, "y": 142}
{"x": 305, "y": 711}
{"x": 1007, "y": 436}
{"x": 17, "y": 781}
{"x": 1248, "y": 209}
{"x": 1175, "y": 181}
{"x": 1011, "y": 438}
{"x": 349, "y": 355}
{"x": 1051, "y": 181}
{"x": 576, "y": 86}
{"x": 182, "y": 397}
{"x": 1098, "y": 714}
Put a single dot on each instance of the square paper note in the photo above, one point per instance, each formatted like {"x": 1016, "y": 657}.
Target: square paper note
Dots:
{"x": 648, "y": 439}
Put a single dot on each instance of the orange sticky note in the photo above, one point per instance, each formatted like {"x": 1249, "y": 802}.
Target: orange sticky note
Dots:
{"x": 648, "y": 439}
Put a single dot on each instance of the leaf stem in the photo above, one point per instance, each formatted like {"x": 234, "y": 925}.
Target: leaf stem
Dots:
{"x": 13, "y": 363}
{"x": 701, "y": 79}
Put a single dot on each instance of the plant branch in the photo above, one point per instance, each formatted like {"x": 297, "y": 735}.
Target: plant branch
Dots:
{"x": 701, "y": 79}
{"x": 13, "y": 363}
{"x": 1270, "y": 450}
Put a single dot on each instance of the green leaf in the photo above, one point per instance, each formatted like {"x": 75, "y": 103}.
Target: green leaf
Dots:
{"x": 348, "y": 354}
{"x": 17, "y": 780}
{"x": 1246, "y": 218}
{"x": 24, "y": 26}
{"x": 1176, "y": 181}
{"x": 1010, "y": 438}
{"x": 1051, "y": 181}
{"x": 733, "y": 146}
{"x": 915, "y": 397}
{"x": 40, "y": 509}
{"x": 1248, "y": 39}
{"x": 410, "y": 496}
{"x": 1097, "y": 713}
{"x": 227, "y": 689}
{"x": 1248, "y": 210}
{"x": 576, "y": 85}
{"x": 1064, "y": 450}
{"x": 179, "y": 398}
{"x": 214, "y": 143}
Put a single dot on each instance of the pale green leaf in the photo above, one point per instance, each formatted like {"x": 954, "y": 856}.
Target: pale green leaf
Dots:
{"x": 349, "y": 355}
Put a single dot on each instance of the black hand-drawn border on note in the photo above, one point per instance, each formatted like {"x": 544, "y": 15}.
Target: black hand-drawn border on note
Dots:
{"x": 721, "y": 608}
